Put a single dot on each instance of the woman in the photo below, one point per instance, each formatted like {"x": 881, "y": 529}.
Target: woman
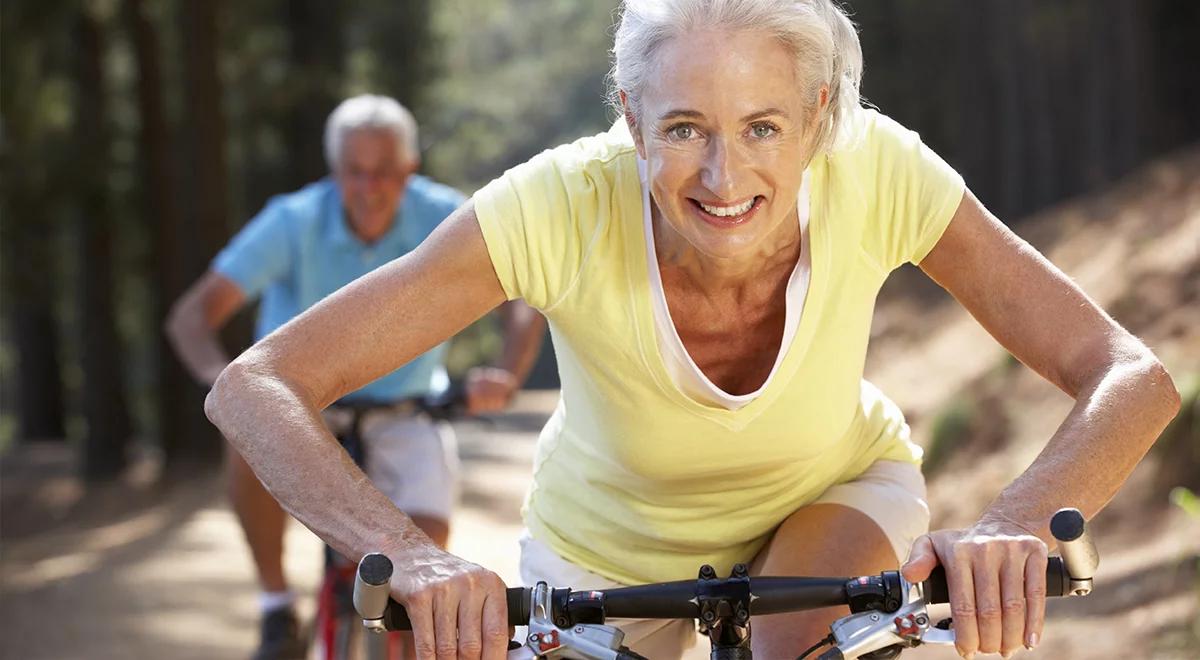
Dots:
{"x": 709, "y": 269}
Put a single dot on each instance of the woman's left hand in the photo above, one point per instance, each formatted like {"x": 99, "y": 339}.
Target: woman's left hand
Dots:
{"x": 996, "y": 575}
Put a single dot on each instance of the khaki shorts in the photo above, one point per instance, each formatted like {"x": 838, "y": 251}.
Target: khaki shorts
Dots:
{"x": 410, "y": 459}
{"x": 891, "y": 493}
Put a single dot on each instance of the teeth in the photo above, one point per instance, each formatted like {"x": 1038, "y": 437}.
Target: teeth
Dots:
{"x": 728, "y": 211}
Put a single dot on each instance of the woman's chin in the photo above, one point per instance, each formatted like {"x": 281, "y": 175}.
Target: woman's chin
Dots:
{"x": 725, "y": 247}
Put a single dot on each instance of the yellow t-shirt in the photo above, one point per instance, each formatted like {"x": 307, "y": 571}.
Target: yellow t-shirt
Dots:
{"x": 632, "y": 479}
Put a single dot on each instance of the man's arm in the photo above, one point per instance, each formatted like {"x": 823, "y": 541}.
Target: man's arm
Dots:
{"x": 490, "y": 389}
{"x": 196, "y": 318}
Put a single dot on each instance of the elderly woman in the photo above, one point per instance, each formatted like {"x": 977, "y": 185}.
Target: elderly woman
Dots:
{"x": 709, "y": 268}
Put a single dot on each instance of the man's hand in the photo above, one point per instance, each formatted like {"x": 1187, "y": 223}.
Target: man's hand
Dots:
{"x": 996, "y": 575}
{"x": 489, "y": 389}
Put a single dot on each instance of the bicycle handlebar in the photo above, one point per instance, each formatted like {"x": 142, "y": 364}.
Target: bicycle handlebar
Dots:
{"x": 1069, "y": 574}
{"x": 677, "y": 600}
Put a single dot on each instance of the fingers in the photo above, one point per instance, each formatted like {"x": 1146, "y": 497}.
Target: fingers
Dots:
{"x": 921, "y": 560}
{"x": 1012, "y": 605}
{"x": 483, "y": 630}
{"x": 1035, "y": 596}
{"x": 445, "y": 625}
{"x": 997, "y": 587}
{"x": 496, "y": 631}
{"x": 960, "y": 582}
{"x": 420, "y": 613}
{"x": 470, "y": 629}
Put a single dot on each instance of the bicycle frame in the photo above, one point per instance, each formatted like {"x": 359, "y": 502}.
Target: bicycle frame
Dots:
{"x": 336, "y": 629}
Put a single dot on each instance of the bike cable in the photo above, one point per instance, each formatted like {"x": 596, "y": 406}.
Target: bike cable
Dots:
{"x": 829, "y": 639}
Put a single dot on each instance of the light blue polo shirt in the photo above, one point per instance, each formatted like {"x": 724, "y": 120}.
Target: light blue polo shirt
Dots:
{"x": 299, "y": 249}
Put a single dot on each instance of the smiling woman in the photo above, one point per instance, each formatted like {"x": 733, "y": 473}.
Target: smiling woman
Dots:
{"x": 709, "y": 268}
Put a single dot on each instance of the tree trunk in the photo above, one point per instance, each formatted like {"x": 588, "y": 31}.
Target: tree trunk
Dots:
{"x": 205, "y": 224}
{"x": 29, "y": 256}
{"x": 104, "y": 407}
{"x": 317, "y": 53}
{"x": 38, "y": 390}
{"x": 162, "y": 220}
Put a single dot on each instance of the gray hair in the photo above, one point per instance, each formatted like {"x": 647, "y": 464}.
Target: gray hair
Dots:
{"x": 817, "y": 32}
{"x": 372, "y": 112}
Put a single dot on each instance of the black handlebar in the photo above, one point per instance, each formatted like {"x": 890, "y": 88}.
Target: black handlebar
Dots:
{"x": 671, "y": 600}
{"x": 1058, "y": 582}
{"x": 1066, "y": 575}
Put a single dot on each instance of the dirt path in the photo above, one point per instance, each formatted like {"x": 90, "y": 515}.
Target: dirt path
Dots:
{"x": 168, "y": 577}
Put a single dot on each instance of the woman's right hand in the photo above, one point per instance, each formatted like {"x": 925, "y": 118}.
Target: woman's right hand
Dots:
{"x": 458, "y": 609}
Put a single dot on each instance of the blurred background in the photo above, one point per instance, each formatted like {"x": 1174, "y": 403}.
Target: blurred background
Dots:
{"x": 136, "y": 136}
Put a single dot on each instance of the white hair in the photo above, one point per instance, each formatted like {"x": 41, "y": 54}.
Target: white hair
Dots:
{"x": 371, "y": 112}
{"x": 817, "y": 33}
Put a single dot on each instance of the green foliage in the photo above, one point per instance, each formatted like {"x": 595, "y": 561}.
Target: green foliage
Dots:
{"x": 516, "y": 78}
{"x": 1187, "y": 500}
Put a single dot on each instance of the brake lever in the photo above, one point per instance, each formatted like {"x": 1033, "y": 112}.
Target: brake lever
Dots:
{"x": 583, "y": 641}
{"x": 864, "y": 632}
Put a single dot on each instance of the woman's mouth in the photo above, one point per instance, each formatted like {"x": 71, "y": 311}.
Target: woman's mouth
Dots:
{"x": 728, "y": 215}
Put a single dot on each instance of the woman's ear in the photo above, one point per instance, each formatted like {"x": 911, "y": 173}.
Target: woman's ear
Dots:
{"x": 631, "y": 122}
{"x": 822, "y": 104}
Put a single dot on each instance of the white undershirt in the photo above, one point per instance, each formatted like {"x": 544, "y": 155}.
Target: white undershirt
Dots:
{"x": 682, "y": 369}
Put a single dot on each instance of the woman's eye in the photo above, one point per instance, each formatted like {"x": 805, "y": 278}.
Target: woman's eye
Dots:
{"x": 682, "y": 132}
{"x": 762, "y": 130}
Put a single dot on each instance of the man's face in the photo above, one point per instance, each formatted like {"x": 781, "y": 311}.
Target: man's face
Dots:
{"x": 371, "y": 176}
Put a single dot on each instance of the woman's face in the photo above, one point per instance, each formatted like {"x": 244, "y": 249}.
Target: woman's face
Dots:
{"x": 724, "y": 131}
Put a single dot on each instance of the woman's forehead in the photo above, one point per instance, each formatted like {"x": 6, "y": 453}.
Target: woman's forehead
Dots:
{"x": 741, "y": 72}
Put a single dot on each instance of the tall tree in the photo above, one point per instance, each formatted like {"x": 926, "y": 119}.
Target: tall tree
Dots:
{"x": 161, "y": 218}
{"x": 400, "y": 38}
{"x": 317, "y": 53}
{"x": 34, "y": 131}
{"x": 205, "y": 226}
{"x": 103, "y": 396}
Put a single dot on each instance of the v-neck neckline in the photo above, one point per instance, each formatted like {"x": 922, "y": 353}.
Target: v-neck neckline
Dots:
{"x": 640, "y": 284}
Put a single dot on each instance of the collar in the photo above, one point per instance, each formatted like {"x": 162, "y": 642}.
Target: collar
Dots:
{"x": 339, "y": 232}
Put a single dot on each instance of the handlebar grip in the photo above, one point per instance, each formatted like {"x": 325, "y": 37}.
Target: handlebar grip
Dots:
{"x": 372, "y": 585}
{"x": 395, "y": 617}
{"x": 1058, "y": 582}
{"x": 1075, "y": 544}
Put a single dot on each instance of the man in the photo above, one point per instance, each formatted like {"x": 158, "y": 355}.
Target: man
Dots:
{"x": 303, "y": 246}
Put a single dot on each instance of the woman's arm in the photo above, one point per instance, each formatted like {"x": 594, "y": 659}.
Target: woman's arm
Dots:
{"x": 1123, "y": 400}
{"x": 268, "y": 403}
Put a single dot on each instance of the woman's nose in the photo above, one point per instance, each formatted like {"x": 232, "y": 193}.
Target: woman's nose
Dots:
{"x": 722, "y": 166}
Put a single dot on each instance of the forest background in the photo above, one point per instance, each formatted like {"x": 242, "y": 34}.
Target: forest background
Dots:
{"x": 136, "y": 136}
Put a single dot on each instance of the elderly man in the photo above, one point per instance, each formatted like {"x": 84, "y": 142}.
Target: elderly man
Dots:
{"x": 302, "y": 247}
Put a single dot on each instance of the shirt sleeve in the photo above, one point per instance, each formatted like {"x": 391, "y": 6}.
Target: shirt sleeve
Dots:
{"x": 260, "y": 253}
{"x": 536, "y": 219}
{"x": 916, "y": 195}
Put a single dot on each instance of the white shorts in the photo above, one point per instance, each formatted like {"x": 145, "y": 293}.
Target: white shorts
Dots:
{"x": 891, "y": 493}
{"x": 410, "y": 458}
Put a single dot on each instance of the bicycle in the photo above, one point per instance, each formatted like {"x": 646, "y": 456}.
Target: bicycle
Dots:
{"x": 885, "y": 618}
{"x": 336, "y": 633}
